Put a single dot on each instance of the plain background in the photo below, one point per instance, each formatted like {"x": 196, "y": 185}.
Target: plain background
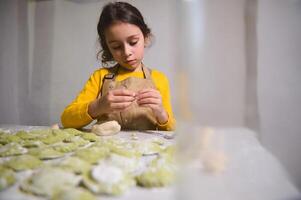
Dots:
{"x": 233, "y": 63}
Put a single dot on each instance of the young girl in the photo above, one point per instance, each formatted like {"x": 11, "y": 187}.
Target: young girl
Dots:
{"x": 130, "y": 93}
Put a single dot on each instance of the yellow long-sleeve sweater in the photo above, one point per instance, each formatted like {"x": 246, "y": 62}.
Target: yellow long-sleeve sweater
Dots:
{"x": 76, "y": 114}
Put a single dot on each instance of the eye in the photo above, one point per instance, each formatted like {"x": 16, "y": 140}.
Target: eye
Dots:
{"x": 116, "y": 47}
{"x": 133, "y": 43}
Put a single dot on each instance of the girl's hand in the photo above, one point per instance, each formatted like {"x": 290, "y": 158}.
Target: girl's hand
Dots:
{"x": 113, "y": 101}
{"x": 152, "y": 98}
{"x": 116, "y": 100}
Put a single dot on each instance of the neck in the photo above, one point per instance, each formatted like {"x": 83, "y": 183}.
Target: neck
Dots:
{"x": 137, "y": 69}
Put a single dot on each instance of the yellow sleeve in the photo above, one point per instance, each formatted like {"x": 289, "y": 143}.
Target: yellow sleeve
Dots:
{"x": 162, "y": 85}
{"x": 76, "y": 114}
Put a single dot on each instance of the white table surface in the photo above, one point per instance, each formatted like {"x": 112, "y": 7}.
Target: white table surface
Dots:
{"x": 251, "y": 173}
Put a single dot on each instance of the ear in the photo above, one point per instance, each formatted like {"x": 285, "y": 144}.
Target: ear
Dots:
{"x": 147, "y": 41}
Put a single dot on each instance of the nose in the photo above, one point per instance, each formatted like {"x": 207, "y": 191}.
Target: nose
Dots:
{"x": 127, "y": 50}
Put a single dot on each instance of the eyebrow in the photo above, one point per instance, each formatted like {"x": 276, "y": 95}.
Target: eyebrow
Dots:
{"x": 131, "y": 36}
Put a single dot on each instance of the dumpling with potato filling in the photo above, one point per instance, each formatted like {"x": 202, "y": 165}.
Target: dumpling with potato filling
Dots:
{"x": 7, "y": 177}
{"x": 105, "y": 179}
{"x": 23, "y": 162}
{"x": 160, "y": 173}
{"x": 92, "y": 154}
{"x": 131, "y": 164}
{"x": 6, "y": 138}
{"x": 75, "y": 165}
{"x": 48, "y": 181}
{"x": 73, "y": 194}
{"x": 45, "y": 153}
{"x": 12, "y": 149}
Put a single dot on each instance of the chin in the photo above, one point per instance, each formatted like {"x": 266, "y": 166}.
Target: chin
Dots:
{"x": 130, "y": 67}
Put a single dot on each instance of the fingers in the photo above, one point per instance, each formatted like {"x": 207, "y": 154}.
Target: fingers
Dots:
{"x": 120, "y": 95}
{"x": 122, "y": 92}
{"x": 149, "y": 100}
{"x": 120, "y": 106}
{"x": 120, "y": 99}
{"x": 148, "y": 93}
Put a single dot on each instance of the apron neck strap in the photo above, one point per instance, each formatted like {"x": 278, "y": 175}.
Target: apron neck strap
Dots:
{"x": 114, "y": 71}
{"x": 146, "y": 71}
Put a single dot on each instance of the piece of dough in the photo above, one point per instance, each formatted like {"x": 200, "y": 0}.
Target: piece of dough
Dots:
{"x": 214, "y": 161}
{"x": 55, "y": 126}
{"x": 106, "y": 128}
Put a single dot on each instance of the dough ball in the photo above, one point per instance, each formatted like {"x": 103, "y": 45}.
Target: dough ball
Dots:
{"x": 55, "y": 126}
{"x": 106, "y": 128}
{"x": 214, "y": 161}
{"x": 206, "y": 138}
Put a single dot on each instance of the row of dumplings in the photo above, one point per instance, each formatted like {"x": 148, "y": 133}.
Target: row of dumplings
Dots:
{"x": 91, "y": 165}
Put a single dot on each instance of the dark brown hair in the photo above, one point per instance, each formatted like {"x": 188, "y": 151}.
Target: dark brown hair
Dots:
{"x": 114, "y": 12}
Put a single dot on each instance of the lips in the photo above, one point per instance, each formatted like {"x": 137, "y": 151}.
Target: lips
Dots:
{"x": 130, "y": 62}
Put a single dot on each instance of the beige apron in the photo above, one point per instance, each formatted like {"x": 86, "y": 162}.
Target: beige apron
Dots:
{"x": 134, "y": 117}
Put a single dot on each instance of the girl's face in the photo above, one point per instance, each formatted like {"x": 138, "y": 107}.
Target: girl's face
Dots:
{"x": 126, "y": 44}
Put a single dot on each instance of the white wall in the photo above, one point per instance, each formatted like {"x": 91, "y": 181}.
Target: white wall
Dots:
{"x": 62, "y": 42}
{"x": 279, "y": 80}
{"x": 13, "y": 60}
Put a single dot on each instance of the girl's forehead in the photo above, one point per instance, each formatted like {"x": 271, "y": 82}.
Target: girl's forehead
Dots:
{"x": 122, "y": 30}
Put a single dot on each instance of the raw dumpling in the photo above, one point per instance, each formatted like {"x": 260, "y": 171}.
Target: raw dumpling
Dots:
{"x": 92, "y": 154}
{"x": 65, "y": 147}
{"x": 48, "y": 181}
{"x": 73, "y": 194}
{"x": 7, "y": 178}
{"x": 56, "y": 136}
{"x": 159, "y": 174}
{"x": 45, "y": 153}
{"x": 23, "y": 162}
{"x": 77, "y": 140}
{"x": 105, "y": 179}
{"x": 12, "y": 149}
{"x": 73, "y": 131}
{"x": 90, "y": 137}
{"x": 6, "y": 138}
{"x": 75, "y": 165}
{"x": 128, "y": 164}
